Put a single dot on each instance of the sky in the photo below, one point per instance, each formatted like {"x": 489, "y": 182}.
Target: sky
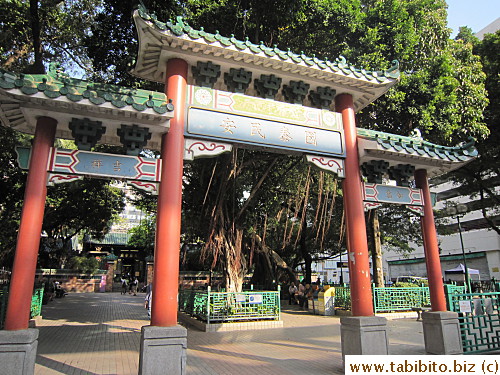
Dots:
{"x": 475, "y": 14}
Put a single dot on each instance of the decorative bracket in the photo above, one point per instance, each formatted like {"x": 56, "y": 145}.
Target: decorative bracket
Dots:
{"x": 267, "y": 86}
{"x": 195, "y": 148}
{"x": 295, "y": 92}
{"x": 374, "y": 170}
{"x": 371, "y": 205}
{"x": 151, "y": 187}
{"x": 238, "y": 80}
{"x": 86, "y": 132}
{"x": 206, "y": 73}
{"x": 329, "y": 164}
{"x": 419, "y": 210}
{"x": 55, "y": 178}
{"x": 133, "y": 138}
{"x": 322, "y": 98}
{"x": 401, "y": 173}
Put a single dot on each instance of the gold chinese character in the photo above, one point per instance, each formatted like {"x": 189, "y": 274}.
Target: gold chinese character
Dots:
{"x": 388, "y": 194}
{"x": 228, "y": 125}
{"x": 257, "y": 130}
{"x": 97, "y": 163}
{"x": 285, "y": 135}
{"x": 311, "y": 138}
{"x": 117, "y": 166}
{"x": 400, "y": 195}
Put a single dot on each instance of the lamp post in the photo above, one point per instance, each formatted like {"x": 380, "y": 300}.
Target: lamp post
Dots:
{"x": 457, "y": 211}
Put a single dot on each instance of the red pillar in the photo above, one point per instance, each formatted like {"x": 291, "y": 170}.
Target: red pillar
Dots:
{"x": 168, "y": 219}
{"x": 431, "y": 249}
{"x": 359, "y": 266}
{"x": 28, "y": 238}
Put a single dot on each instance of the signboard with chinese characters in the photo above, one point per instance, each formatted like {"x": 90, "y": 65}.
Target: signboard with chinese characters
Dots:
{"x": 392, "y": 194}
{"x": 76, "y": 162}
{"x": 249, "y": 120}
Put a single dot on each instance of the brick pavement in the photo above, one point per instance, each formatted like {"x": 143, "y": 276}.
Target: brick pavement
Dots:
{"x": 87, "y": 334}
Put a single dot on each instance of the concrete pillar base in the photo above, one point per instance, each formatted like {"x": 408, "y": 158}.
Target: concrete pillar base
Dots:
{"x": 163, "y": 350}
{"x": 364, "y": 335}
{"x": 442, "y": 332}
{"x": 18, "y": 351}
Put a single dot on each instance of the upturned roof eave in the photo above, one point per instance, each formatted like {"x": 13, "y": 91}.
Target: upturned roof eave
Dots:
{"x": 25, "y": 98}
{"x": 396, "y": 149}
{"x": 157, "y": 46}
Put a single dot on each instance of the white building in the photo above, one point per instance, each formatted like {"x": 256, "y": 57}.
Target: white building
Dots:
{"x": 334, "y": 270}
{"x": 481, "y": 245}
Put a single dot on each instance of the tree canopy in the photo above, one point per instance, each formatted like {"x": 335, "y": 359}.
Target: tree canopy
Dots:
{"x": 480, "y": 178}
{"x": 441, "y": 92}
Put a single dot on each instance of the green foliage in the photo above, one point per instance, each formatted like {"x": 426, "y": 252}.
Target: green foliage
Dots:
{"x": 479, "y": 179}
{"x": 399, "y": 228}
{"x": 441, "y": 93}
{"x": 84, "y": 265}
{"x": 142, "y": 236}
{"x": 59, "y": 27}
{"x": 12, "y": 180}
{"x": 423, "y": 283}
{"x": 89, "y": 206}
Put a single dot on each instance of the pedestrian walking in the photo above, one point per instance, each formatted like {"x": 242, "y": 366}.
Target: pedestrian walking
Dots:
{"x": 124, "y": 286}
{"x": 149, "y": 298}
{"x": 134, "y": 286}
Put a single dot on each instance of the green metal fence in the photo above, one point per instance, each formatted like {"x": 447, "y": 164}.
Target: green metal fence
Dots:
{"x": 36, "y": 303}
{"x": 343, "y": 297}
{"x": 399, "y": 299}
{"x": 478, "y": 314}
{"x": 219, "y": 307}
{"x": 450, "y": 290}
{"x": 393, "y": 299}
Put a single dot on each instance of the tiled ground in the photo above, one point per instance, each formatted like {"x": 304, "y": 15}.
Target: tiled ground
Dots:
{"x": 89, "y": 334}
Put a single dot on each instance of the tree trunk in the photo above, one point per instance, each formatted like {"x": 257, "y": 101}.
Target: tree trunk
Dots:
{"x": 235, "y": 266}
{"x": 37, "y": 66}
{"x": 306, "y": 255}
{"x": 269, "y": 261}
{"x": 375, "y": 246}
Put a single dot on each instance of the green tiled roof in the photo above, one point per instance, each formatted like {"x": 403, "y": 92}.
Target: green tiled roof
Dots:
{"x": 340, "y": 66}
{"x": 55, "y": 84}
{"x": 111, "y": 239}
{"x": 417, "y": 146}
{"x": 479, "y": 254}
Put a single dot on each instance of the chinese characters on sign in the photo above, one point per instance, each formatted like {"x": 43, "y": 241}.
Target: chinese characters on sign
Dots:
{"x": 97, "y": 164}
{"x": 105, "y": 165}
{"x": 392, "y": 194}
{"x": 238, "y": 128}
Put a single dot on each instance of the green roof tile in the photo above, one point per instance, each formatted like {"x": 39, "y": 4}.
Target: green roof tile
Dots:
{"x": 55, "y": 84}
{"x": 181, "y": 28}
{"x": 111, "y": 239}
{"x": 414, "y": 145}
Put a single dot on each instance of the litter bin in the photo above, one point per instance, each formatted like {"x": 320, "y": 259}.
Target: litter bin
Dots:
{"x": 326, "y": 301}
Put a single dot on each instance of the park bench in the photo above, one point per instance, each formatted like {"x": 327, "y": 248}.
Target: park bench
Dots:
{"x": 419, "y": 311}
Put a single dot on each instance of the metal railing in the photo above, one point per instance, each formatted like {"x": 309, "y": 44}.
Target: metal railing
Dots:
{"x": 479, "y": 318}
{"x": 400, "y": 299}
{"x": 343, "y": 297}
{"x": 36, "y": 303}
{"x": 219, "y": 307}
{"x": 392, "y": 298}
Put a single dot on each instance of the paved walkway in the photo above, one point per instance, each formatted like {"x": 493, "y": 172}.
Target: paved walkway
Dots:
{"x": 87, "y": 334}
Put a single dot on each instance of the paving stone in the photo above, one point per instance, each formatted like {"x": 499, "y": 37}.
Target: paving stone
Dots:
{"x": 99, "y": 333}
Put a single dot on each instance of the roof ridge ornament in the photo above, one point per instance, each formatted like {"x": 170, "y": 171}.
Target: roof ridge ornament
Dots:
{"x": 416, "y": 134}
{"x": 180, "y": 28}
